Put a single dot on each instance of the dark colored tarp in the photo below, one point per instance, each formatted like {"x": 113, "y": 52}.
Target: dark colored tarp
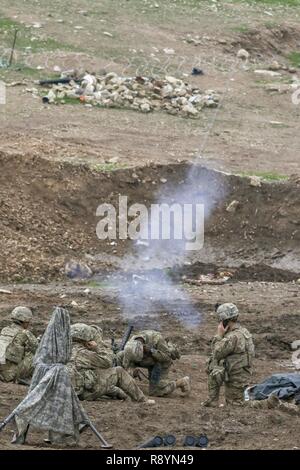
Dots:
{"x": 284, "y": 386}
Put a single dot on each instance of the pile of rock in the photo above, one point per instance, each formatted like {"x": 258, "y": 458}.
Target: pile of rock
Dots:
{"x": 140, "y": 93}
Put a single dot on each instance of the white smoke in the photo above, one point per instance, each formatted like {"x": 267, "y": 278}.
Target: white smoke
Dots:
{"x": 145, "y": 286}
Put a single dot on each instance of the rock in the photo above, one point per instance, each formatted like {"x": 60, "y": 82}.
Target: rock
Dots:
{"x": 295, "y": 345}
{"x": 74, "y": 304}
{"x": 169, "y": 51}
{"x": 57, "y": 68}
{"x": 87, "y": 291}
{"x": 243, "y": 54}
{"x": 255, "y": 181}
{"x": 163, "y": 180}
{"x": 210, "y": 103}
{"x": 292, "y": 70}
{"x": 172, "y": 80}
{"x": 145, "y": 107}
{"x": 269, "y": 73}
{"x": 4, "y": 291}
{"x": 190, "y": 109}
{"x": 298, "y": 281}
{"x": 51, "y": 96}
{"x": 274, "y": 66}
{"x": 232, "y": 206}
{"x": 37, "y": 25}
{"x": 77, "y": 270}
{"x": 106, "y": 33}
{"x": 140, "y": 93}
{"x": 167, "y": 90}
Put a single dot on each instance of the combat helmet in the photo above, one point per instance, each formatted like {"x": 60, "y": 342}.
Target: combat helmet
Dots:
{"x": 82, "y": 332}
{"x": 227, "y": 311}
{"x": 21, "y": 314}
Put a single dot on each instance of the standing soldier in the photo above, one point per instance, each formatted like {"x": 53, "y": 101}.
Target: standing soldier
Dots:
{"x": 230, "y": 361}
{"x": 17, "y": 347}
{"x": 151, "y": 351}
{"x": 92, "y": 371}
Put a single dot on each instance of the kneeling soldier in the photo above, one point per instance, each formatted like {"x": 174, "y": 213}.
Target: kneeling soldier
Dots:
{"x": 151, "y": 351}
{"x": 17, "y": 347}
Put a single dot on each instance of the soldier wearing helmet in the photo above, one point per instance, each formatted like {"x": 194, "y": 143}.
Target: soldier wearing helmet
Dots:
{"x": 92, "y": 368}
{"x": 230, "y": 362}
{"x": 150, "y": 350}
{"x": 17, "y": 347}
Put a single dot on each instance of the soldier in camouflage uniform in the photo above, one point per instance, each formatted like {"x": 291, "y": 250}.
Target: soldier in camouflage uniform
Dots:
{"x": 92, "y": 371}
{"x": 230, "y": 361}
{"x": 151, "y": 351}
{"x": 17, "y": 347}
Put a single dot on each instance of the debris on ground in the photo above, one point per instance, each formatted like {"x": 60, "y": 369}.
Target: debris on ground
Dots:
{"x": 232, "y": 207}
{"x": 215, "y": 279}
{"x": 144, "y": 94}
{"x": 243, "y": 54}
{"x": 5, "y": 291}
{"x": 77, "y": 270}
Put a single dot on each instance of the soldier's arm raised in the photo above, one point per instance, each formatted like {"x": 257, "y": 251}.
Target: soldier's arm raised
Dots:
{"x": 223, "y": 347}
{"x": 88, "y": 359}
{"x": 160, "y": 352}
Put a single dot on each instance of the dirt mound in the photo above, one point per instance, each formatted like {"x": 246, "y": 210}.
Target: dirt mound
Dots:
{"x": 48, "y": 214}
{"x": 257, "y": 272}
{"x": 269, "y": 41}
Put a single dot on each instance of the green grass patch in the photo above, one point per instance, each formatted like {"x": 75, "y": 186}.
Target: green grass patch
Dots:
{"x": 265, "y": 175}
{"x": 6, "y": 24}
{"x": 19, "y": 71}
{"x": 294, "y": 58}
{"x": 290, "y": 3}
{"x": 25, "y": 37}
{"x": 68, "y": 100}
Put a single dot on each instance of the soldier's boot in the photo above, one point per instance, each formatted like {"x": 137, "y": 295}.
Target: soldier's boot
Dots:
{"x": 211, "y": 402}
{"x": 184, "y": 384}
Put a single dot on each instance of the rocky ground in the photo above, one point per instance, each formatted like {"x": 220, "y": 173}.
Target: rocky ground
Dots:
{"x": 60, "y": 159}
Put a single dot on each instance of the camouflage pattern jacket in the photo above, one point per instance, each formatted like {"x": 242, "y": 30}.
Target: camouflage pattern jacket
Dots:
{"x": 84, "y": 364}
{"x": 235, "y": 350}
{"x": 161, "y": 350}
{"x": 16, "y": 343}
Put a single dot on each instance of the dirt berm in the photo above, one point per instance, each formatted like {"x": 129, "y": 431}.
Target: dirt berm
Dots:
{"x": 48, "y": 216}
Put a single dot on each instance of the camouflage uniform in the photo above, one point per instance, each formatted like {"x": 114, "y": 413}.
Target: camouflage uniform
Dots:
{"x": 17, "y": 348}
{"x": 230, "y": 363}
{"x": 94, "y": 376}
{"x": 230, "y": 360}
{"x": 157, "y": 361}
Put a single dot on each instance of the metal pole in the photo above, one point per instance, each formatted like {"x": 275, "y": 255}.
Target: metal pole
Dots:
{"x": 13, "y": 48}
{"x": 105, "y": 444}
